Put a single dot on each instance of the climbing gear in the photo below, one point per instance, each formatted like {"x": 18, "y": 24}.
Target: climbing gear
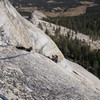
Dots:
{"x": 3, "y": 97}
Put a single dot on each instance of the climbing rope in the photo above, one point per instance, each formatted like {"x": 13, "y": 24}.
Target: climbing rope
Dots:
{"x": 3, "y": 97}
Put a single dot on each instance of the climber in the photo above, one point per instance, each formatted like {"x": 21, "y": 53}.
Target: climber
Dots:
{"x": 54, "y": 58}
{"x": 3, "y": 97}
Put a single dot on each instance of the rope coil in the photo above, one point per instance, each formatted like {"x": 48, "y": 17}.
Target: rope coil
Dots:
{"x": 3, "y": 97}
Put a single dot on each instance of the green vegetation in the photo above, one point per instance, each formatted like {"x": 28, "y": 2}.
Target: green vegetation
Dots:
{"x": 93, "y": 10}
{"x": 78, "y": 51}
{"x": 88, "y": 24}
{"x": 25, "y": 13}
{"x": 40, "y": 26}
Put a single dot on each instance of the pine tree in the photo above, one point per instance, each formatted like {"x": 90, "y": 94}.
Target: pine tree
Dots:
{"x": 47, "y": 32}
{"x": 40, "y": 26}
{"x": 95, "y": 67}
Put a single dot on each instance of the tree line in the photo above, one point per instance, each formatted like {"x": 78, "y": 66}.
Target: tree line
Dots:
{"x": 88, "y": 24}
{"x": 78, "y": 51}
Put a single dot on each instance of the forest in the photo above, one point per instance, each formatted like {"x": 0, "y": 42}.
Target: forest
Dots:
{"x": 88, "y": 24}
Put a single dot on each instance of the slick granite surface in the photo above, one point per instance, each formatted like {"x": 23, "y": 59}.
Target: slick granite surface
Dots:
{"x": 31, "y": 75}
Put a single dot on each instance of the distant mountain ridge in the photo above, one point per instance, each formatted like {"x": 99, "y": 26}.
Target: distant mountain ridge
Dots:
{"x": 61, "y": 7}
{"x": 47, "y": 4}
{"x": 41, "y": 3}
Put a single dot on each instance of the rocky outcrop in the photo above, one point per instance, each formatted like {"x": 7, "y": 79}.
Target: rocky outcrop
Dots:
{"x": 17, "y": 31}
{"x": 26, "y": 73}
{"x": 38, "y": 15}
{"x": 63, "y": 30}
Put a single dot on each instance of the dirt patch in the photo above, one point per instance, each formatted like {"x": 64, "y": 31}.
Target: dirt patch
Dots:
{"x": 26, "y": 9}
{"x": 70, "y": 12}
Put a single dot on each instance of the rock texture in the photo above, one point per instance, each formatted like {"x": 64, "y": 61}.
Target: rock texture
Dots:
{"x": 17, "y": 31}
{"x": 12, "y": 29}
{"x": 38, "y": 15}
{"x": 27, "y": 76}
{"x": 32, "y": 75}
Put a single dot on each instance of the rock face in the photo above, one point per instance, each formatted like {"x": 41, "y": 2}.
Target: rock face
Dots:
{"x": 27, "y": 76}
{"x": 32, "y": 75}
{"x": 17, "y": 31}
{"x": 12, "y": 29}
{"x": 38, "y": 15}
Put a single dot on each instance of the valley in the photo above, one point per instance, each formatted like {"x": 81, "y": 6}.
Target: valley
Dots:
{"x": 54, "y": 8}
{"x": 40, "y": 60}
